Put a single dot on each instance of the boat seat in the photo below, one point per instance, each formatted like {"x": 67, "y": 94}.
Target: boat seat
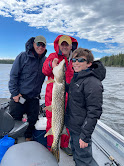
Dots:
{"x": 18, "y": 129}
{"x": 29, "y": 153}
{"x": 9, "y": 126}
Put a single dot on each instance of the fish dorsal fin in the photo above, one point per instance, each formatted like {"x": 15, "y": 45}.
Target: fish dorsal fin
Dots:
{"x": 49, "y": 132}
{"x": 64, "y": 131}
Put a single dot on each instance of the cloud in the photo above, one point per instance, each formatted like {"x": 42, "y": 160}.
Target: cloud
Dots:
{"x": 98, "y": 20}
{"x": 111, "y": 49}
{"x": 50, "y": 44}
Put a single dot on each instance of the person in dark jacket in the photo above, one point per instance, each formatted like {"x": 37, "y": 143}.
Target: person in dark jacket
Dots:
{"x": 26, "y": 80}
{"x": 84, "y": 106}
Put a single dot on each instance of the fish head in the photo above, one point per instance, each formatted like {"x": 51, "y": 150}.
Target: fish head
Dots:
{"x": 59, "y": 72}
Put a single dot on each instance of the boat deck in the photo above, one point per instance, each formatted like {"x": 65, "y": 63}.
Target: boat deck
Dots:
{"x": 64, "y": 158}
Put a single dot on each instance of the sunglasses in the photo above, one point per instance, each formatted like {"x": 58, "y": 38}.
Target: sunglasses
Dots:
{"x": 41, "y": 44}
{"x": 79, "y": 60}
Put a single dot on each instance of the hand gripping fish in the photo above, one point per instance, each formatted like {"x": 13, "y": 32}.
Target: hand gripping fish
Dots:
{"x": 58, "y": 107}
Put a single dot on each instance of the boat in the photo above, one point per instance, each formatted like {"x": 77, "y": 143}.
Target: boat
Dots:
{"x": 107, "y": 146}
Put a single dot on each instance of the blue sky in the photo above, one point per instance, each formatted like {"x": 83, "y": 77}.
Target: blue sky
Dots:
{"x": 97, "y": 25}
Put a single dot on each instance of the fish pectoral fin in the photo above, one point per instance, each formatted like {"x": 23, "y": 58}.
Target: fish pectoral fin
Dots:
{"x": 49, "y": 108}
{"x": 50, "y": 81}
{"x": 49, "y": 132}
{"x": 64, "y": 131}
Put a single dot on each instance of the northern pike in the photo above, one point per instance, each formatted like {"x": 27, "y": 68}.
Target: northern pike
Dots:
{"x": 58, "y": 107}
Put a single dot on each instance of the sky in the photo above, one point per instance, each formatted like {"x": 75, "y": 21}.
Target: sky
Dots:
{"x": 96, "y": 24}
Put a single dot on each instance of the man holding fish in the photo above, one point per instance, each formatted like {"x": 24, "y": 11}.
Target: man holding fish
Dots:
{"x": 64, "y": 46}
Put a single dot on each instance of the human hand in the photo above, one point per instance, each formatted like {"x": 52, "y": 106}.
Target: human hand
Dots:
{"x": 83, "y": 144}
{"x": 55, "y": 62}
{"x": 16, "y": 98}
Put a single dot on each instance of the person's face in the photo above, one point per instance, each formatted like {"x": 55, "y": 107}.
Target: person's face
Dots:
{"x": 65, "y": 48}
{"x": 39, "y": 48}
{"x": 78, "y": 66}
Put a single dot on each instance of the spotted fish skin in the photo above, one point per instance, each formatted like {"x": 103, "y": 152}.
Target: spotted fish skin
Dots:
{"x": 58, "y": 107}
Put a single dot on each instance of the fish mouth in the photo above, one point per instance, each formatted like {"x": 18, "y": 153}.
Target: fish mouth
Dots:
{"x": 59, "y": 70}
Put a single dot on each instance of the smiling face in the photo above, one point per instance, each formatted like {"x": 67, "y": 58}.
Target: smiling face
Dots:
{"x": 65, "y": 48}
{"x": 78, "y": 66}
{"x": 39, "y": 48}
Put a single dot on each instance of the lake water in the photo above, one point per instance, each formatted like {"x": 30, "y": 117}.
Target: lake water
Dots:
{"x": 113, "y": 96}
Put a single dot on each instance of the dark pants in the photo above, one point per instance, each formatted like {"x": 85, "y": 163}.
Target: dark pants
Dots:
{"x": 82, "y": 157}
{"x": 31, "y": 108}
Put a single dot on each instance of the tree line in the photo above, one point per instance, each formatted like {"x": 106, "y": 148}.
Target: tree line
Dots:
{"x": 6, "y": 61}
{"x": 113, "y": 60}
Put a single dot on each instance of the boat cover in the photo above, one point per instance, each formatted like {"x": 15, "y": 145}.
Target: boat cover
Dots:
{"x": 28, "y": 154}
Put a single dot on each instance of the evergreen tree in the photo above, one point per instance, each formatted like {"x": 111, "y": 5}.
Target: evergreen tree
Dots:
{"x": 113, "y": 60}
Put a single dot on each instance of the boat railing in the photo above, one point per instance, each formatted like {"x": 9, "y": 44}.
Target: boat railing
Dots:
{"x": 109, "y": 142}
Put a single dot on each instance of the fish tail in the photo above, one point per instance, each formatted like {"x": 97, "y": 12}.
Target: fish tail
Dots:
{"x": 55, "y": 152}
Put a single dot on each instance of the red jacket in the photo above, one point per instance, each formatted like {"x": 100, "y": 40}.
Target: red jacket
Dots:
{"x": 47, "y": 70}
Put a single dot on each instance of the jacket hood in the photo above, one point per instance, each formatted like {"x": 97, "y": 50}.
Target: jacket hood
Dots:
{"x": 96, "y": 69}
{"x": 56, "y": 45}
{"x": 29, "y": 47}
